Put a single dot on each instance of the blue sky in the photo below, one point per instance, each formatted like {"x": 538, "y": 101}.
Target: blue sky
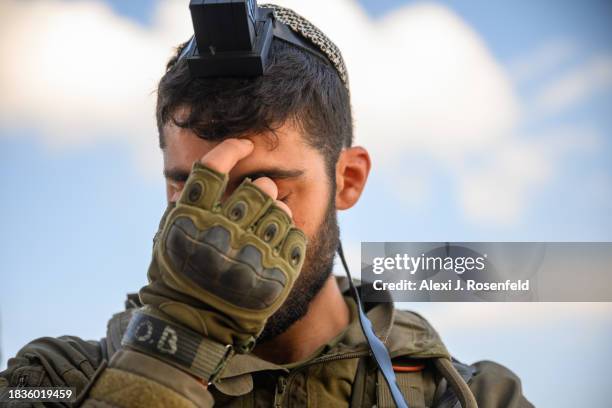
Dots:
{"x": 79, "y": 211}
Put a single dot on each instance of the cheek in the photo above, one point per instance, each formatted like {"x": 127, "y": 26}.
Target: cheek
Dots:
{"x": 169, "y": 192}
{"x": 309, "y": 206}
{"x": 173, "y": 191}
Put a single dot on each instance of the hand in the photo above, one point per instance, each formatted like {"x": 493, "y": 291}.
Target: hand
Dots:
{"x": 223, "y": 267}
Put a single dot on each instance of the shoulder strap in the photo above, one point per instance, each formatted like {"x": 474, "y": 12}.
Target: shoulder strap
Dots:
{"x": 364, "y": 385}
{"x": 410, "y": 384}
{"x": 380, "y": 354}
{"x": 115, "y": 328}
{"x": 449, "y": 395}
{"x": 118, "y": 324}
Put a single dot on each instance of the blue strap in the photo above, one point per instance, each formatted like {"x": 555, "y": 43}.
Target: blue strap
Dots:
{"x": 379, "y": 351}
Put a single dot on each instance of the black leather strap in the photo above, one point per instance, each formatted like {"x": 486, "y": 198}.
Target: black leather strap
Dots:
{"x": 284, "y": 33}
{"x": 176, "y": 345}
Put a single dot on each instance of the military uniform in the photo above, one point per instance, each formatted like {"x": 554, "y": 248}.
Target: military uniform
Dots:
{"x": 220, "y": 269}
{"x": 341, "y": 373}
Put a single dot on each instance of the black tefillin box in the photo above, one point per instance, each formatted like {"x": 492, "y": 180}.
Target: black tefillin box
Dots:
{"x": 231, "y": 38}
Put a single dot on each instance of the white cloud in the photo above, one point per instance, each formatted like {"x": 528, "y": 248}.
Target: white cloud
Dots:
{"x": 81, "y": 74}
{"x": 423, "y": 82}
{"x": 575, "y": 86}
{"x": 497, "y": 191}
{"x": 500, "y": 183}
{"x": 423, "y": 79}
{"x": 542, "y": 60}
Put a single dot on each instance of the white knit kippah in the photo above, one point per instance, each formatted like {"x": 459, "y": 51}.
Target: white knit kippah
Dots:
{"x": 310, "y": 32}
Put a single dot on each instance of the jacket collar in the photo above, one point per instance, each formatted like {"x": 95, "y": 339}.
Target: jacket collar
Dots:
{"x": 405, "y": 334}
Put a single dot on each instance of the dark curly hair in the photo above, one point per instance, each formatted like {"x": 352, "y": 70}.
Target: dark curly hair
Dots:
{"x": 296, "y": 86}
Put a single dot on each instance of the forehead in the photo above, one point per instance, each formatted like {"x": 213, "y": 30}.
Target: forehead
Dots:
{"x": 286, "y": 147}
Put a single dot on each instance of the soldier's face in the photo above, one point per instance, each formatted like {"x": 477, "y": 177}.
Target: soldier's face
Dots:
{"x": 297, "y": 169}
{"x": 303, "y": 184}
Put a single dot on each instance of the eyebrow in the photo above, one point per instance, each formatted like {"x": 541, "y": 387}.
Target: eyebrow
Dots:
{"x": 181, "y": 175}
{"x": 178, "y": 175}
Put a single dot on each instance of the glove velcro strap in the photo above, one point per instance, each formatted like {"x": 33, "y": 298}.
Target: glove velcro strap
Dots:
{"x": 177, "y": 345}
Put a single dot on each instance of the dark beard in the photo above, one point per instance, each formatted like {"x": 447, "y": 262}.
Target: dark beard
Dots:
{"x": 317, "y": 268}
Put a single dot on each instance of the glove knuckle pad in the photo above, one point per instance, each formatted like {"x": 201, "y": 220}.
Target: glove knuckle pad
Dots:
{"x": 246, "y": 204}
{"x": 204, "y": 187}
{"x": 208, "y": 260}
{"x": 273, "y": 226}
{"x": 294, "y": 248}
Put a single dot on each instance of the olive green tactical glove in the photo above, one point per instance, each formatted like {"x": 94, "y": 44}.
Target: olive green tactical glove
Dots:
{"x": 222, "y": 268}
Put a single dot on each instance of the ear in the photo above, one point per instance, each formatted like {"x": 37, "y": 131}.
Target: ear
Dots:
{"x": 352, "y": 172}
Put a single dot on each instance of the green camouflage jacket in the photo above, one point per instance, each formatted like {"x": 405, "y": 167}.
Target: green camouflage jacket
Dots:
{"x": 340, "y": 374}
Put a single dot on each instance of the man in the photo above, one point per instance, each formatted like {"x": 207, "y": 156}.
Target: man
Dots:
{"x": 241, "y": 308}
